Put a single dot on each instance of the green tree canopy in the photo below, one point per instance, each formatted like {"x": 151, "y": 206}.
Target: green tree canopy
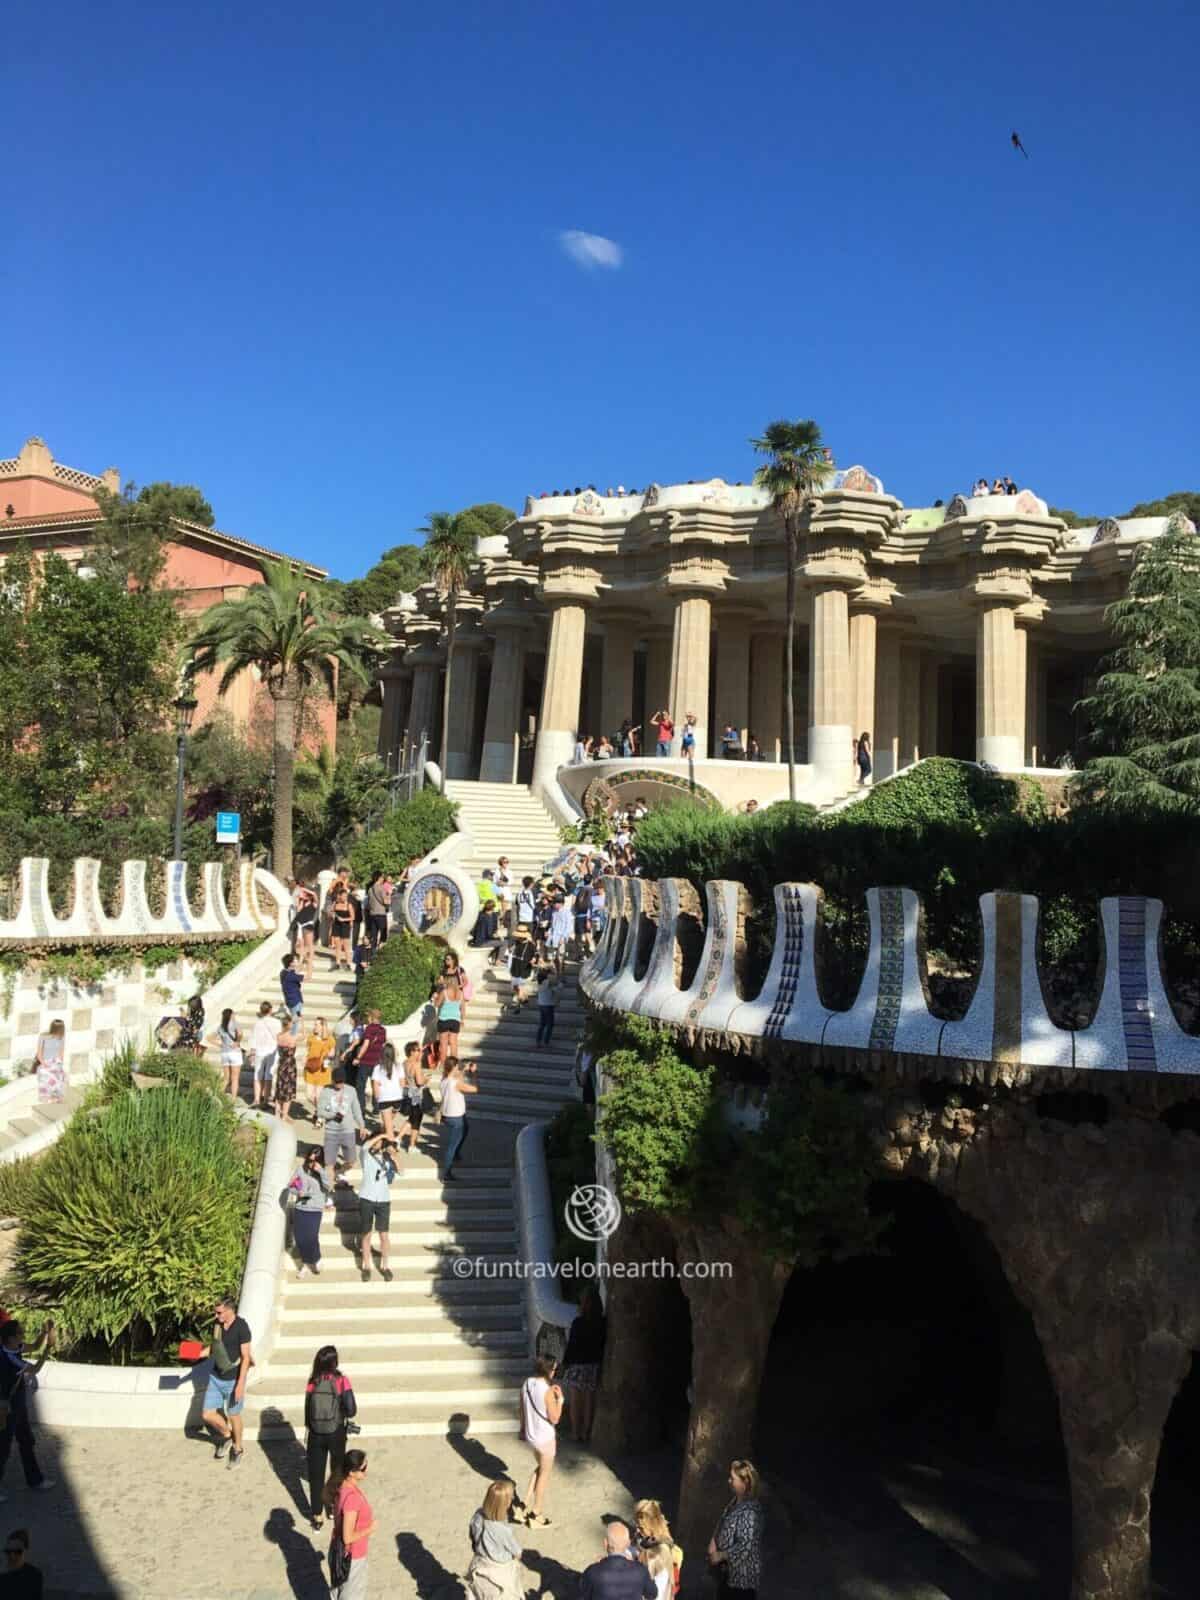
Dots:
{"x": 1185, "y": 500}
{"x": 87, "y": 676}
{"x": 134, "y": 526}
{"x": 397, "y": 572}
{"x": 1145, "y": 713}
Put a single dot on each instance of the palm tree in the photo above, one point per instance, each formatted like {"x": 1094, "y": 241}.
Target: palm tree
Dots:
{"x": 446, "y": 562}
{"x": 284, "y": 628}
{"x": 796, "y": 471}
{"x": 446, "y": 559}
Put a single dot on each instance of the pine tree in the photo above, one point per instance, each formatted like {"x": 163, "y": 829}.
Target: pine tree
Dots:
{"x": 1145, "y": 713}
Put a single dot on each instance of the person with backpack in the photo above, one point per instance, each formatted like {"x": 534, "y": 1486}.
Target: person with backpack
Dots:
{"x": 526, "y": 902}
{"x": 329, "y": 1404}
{"x": 520, "y": 964}
{"x": 547, "y": 1000}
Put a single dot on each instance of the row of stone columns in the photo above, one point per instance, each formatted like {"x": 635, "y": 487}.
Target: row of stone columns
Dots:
{"x": 861, "y": 676}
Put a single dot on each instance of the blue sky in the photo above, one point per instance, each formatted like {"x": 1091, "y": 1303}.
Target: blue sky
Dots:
{"x": 311, "y": 258}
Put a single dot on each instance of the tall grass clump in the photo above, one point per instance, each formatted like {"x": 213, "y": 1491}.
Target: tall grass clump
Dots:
{"x": 134, "y": 1222}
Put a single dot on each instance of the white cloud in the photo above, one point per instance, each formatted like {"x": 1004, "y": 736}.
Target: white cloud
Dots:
{"x": 590, "y": 249}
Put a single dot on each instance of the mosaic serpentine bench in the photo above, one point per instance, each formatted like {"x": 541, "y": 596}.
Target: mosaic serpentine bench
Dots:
{"x": 87, "y": 921}
{"x": 1006, "y": 1035}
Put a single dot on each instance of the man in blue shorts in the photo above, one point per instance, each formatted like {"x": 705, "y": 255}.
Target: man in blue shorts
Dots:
{"x": 225, "y": 1396}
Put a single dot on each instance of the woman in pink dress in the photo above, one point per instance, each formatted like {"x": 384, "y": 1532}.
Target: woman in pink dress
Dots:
{"x": 51, "y": 1063}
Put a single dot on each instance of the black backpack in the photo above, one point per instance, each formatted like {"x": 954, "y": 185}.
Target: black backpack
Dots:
{"x": 325, "y": 1409}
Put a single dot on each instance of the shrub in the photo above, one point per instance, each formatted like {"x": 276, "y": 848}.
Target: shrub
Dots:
{"x": 952, "y": 832}
{"x": 134, "y": 1222}
{"x": 412, "y": 829}
{"x": 570, "y": 1162}
{"x": 401, "y": 976}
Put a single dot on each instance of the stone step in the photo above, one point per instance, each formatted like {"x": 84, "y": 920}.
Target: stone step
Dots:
{"x": 414, "y": 1321}
{"x": 391, "y": 1422}
{"x": 434, "y": 1342}
{"x": 368, "y": 1367}
{"x": 282, "y": 1394}
{"x": 440, "y": 1289}
{"x": 408, "y": 1266}
{"x": 338, "y": 1227}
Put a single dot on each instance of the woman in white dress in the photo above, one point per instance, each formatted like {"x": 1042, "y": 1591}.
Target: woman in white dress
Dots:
{"x": 541, "y": 1408}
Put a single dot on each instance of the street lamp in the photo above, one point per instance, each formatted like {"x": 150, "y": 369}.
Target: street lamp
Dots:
{"x": 185, "y": 710}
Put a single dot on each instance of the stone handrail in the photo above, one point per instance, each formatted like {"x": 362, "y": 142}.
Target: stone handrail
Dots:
{"x": 544, "y": 1304}
{"x": 1006, "y": 1034}
{"x": 88, "y": 922}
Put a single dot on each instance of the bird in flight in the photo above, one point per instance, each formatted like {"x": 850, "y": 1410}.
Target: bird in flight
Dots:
{"x": 1017, "y": 145}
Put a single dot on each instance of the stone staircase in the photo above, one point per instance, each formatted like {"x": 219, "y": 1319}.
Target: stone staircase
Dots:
{"x": 431, "y": 1352}
{"x": 26, "y": 1115}
{"x": 327, "y": 994}
{"x": 504, "y": 819}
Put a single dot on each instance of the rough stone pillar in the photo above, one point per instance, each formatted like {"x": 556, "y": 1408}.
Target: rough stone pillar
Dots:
{"x": 616, "y": 686}
{"x": 504, "y": 706}
{"x": 638, "y": 1364}
{"x": 910, "y": 704}
{"x": 862, "y": 673}
{"x": 829, "y": 732}
{"x": 658, "y": 684}
{"x": 395, "y": 688}
{"x": 1035, "y": 691}
{"x": 766, "y": 693}
{"x": 887, "y": 704}
{"x": 464, "y": 708}
{"x": 733, "y": 674}
{"x": 726, "y": 1372}
{"x": 689, "y": 666}
{"x": 561, "y": 688}
{"x": 930, "y": 704}
{"x": 426, "y": 704}
{"x": 999, "y": 687}
{"x": 1021, "y": 656}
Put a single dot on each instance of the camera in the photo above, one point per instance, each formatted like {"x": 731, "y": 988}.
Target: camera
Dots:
{"x": 353, "y": 1427}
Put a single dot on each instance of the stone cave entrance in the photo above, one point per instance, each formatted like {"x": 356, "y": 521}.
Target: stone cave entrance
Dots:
{"x": 907, "y": 1412}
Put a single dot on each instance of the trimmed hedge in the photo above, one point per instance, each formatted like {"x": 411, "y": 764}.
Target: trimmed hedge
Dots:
{"x": 412, "y": 829}
{"x": 951, "y": 832}
{"x": 401, "y": 976}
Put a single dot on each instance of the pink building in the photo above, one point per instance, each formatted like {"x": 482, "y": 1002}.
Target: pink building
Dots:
{"x": 53, "y": 507}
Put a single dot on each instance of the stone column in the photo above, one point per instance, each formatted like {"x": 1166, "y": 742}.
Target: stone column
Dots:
{"x": 395, "y": 688}
{"x": 829, "y": 732}
{"x": 887, "y": 704}
{"x": 561, "y": 688}
{"x": 766, "y": 693}
{"x": 910, "y": 704}
{"x": 464, "y": 707}
{"x": 862, "y": 673}
{"x": 504, "y": 706}
{"x": 426, "y": 697}
{"x": 689, "y": 666}
{"x": 1034, "y": 704}
{"x": 930, "y": 702}
{"x": 616, "y": 685}
{"x": 733, "y": 673}
{"x": 999, "y": 687}
{"x": 658, "y": 683}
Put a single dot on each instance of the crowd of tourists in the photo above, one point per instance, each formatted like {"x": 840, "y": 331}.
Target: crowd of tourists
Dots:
{"x": 639, "y": 1558}
{"x": 368, "y": 1104}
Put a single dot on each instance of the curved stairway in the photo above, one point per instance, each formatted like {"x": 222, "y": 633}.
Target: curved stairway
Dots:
{"x": 431, "y": 1352}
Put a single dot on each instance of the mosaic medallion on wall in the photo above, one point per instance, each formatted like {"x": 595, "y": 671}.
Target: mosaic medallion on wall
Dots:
{"x": 434, "y": 904}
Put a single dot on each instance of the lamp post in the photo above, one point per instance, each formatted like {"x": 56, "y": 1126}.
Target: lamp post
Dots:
{"x": 185, "y": 710}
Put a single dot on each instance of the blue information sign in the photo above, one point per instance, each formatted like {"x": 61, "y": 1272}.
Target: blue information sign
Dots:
{"x": 229, "y": 827}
